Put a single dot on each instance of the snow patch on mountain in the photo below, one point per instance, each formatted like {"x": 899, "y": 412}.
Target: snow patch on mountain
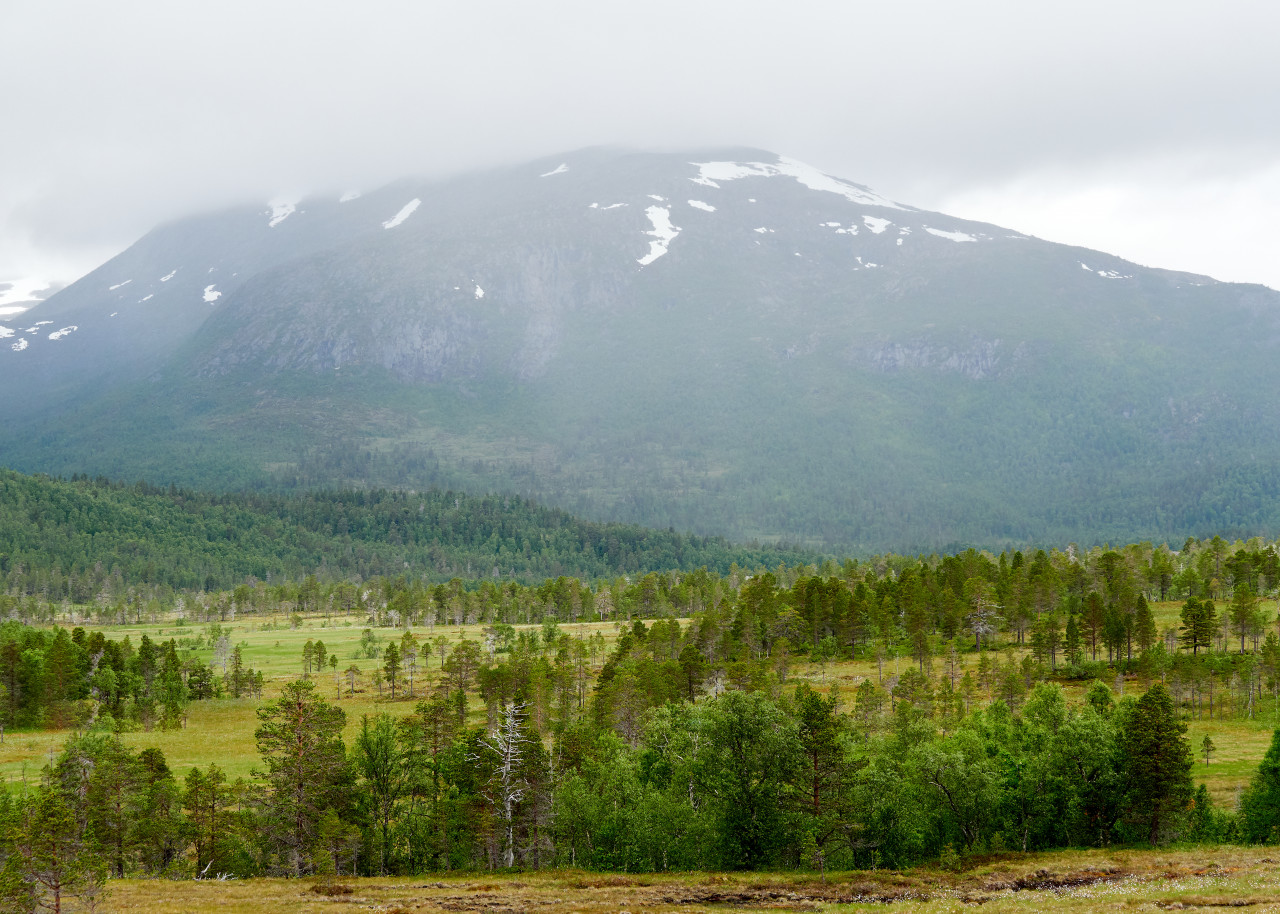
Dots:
{"x": 959, "y": 237}
{"x": 876, "y": 224}
{"x": 281, "y": 209}
{"x": 119, "y": 285}
{"x": 65, "y": 331}
{"x": 1106, "y": 274}
{"x": 663, "y": 233}
{"x": 147, "y": 297}
{"x": 710, "y": 174}
{"x": 558, "y": 170}
{"x": 211, "y": 294}
{"x": 349, "y": 196}
{"x": 37, "y": 326}
{"x": 20, "y": 345}
{"x": 706, "y": 207}
{"x": 5, "y": 332}
{"x": 405, "y": 212}
{"x": 762, "y": 230}
{"x": 169, "y": 277}
{"x": 479, "y": 292}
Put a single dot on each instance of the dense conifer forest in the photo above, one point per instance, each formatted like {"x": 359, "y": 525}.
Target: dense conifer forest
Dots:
{"x": 76, "y": 536}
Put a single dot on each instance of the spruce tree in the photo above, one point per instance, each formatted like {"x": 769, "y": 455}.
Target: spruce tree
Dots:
{"x": 1260, "y": 805}
{"x": 1159, "y": 764}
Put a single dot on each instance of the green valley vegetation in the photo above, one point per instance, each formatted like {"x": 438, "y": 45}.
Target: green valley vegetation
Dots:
{"x": 1002, "y": 703}
{"x": 744, "y": 779}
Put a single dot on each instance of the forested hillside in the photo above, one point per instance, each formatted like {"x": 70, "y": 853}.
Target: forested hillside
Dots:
{"x": 70, "y": 539}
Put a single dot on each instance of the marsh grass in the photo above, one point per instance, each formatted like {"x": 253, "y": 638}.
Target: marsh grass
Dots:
{"x": 221, "y": 731}
{"x": 1061, "y": 881}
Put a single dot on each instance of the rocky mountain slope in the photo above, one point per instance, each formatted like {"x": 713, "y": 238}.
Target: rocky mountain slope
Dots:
{"x": 726, "y": 341}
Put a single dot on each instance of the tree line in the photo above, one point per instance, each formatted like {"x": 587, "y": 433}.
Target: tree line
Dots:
{"x": 739, "y": 780}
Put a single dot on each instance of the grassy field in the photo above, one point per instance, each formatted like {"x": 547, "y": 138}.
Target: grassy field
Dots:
{"x": 1083, "y": 881}
{"x": 222, "y": 731}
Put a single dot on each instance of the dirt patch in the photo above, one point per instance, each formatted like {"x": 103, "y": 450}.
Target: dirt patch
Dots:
{"x": 1041, "y": 880}
{"x": 331, "y": 888}
{"x": 745, "y": 898}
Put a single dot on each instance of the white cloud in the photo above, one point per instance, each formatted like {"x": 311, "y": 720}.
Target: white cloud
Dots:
{"x": 923, "y": 101}
{"x": 1176, "y": 214}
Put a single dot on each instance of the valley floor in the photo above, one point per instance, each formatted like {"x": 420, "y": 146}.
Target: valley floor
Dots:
{"x": 1201, "y": 878}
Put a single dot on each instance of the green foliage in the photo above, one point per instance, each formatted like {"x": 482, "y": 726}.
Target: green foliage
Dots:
{"x": 55, "y": 678}
{"x": 1260, "y": 804}
{"x": 85, "y": 531}
{"x": 747, "y": 768}
{"x": 1159, "y": 764}
{"x": 299, "y": 737}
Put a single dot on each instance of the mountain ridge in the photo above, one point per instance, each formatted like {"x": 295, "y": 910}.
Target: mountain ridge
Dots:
{"x": 724, "y": 341}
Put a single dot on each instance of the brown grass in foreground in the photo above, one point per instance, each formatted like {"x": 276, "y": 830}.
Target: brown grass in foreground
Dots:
{"x": 1197, "y": 879}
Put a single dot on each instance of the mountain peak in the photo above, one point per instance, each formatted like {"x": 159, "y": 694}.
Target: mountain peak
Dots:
{"x": 725, "y": 340}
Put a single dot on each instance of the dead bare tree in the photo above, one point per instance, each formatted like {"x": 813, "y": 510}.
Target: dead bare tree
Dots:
{"x": 504, "y": 749}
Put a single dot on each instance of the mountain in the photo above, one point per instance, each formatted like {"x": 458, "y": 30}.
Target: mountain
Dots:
{"x": 725, "y": 341}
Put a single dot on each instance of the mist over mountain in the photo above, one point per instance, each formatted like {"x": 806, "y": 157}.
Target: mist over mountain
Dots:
{"x": 724, "y": 341}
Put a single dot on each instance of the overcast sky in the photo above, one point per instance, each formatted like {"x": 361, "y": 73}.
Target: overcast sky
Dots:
{"x": 1146, "y": 129}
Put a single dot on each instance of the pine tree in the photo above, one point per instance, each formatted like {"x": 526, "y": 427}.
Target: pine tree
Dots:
{"x": 1144, "y": 625}
{"x": 49, "y": 860}
{"x": 391, "y": 666}
{"x": 1207, "y": 748}
{"x": 300, "y": 739}
{"x": 1093, "y": 617}
{"x": 1243, "y": 608}
{"x": 1071, "y": 644}
{"x": 237, "y": 672}
{"x": 207, "y": 800}
{"x": 1199, "y": 622}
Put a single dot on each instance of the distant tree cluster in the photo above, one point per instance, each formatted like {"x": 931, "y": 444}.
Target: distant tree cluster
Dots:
{"x": 73, "y": 679}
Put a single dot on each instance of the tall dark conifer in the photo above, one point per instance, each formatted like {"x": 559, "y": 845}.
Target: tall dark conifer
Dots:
{"x": 1159, "y": 764}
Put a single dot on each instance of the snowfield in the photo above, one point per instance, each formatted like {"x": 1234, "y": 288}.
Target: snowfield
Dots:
{"x": 663, "y": 233}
